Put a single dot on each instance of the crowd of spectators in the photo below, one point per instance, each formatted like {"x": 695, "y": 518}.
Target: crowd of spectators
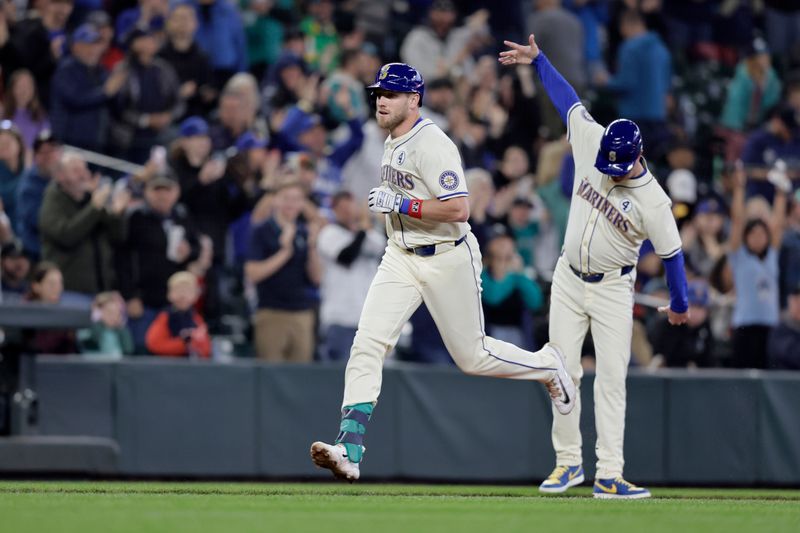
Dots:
{"x": 255, "y": 145}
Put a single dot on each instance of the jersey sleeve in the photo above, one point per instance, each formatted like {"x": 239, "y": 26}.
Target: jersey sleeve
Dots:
{"x": 661, "y": 228}
{"x": 583, "y": 133}
{"x": 439, "y": 165}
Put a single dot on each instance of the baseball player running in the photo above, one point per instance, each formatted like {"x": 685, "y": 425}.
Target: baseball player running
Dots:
{"x": 616, "y": 204}
{"x": 431, "y": 257}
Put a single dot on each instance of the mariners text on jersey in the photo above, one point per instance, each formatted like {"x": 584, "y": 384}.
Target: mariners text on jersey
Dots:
{"x": 395, "y": 177}
{"x": 602, "y": 204}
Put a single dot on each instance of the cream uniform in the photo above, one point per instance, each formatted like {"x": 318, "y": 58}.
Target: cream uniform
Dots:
{"x": 425, "y": 164}
{"x": 593, "y": 286}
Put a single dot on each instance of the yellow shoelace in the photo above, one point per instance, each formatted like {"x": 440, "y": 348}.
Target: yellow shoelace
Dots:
{"x": 557, "y": 473}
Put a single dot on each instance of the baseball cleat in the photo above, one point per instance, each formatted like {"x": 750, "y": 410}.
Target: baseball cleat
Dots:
{"x": 562, "y": 478}
{"x": 334, "y": 458}
{"x": 560, "y": 386}
{"x": 618, "y": 488}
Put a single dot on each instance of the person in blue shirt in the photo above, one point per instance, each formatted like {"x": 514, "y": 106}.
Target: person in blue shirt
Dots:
{"x": 143, "y": 14}
{"x": 30, "y": 193}
{"x": 642, "y": 81}
{"x": 304, "y": 131}
{"x": 285, "y": 267}
{"x": 221, "y": 35}
{"x": 82, "y": 92}
{"x": 12, "y": 168}
{"x": 777, "y": 139}
{"x": 753, "y": 256}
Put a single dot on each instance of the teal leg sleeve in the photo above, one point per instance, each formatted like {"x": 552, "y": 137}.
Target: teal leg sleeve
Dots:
{"x": 352, "y": 429}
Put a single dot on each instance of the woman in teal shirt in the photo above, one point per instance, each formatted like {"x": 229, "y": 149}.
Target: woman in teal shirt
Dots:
{"x": 508, "y": 294}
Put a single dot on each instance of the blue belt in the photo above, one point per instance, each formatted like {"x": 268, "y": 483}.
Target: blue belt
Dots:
{"x": 594, "y": 278}
{"x": 426, "y": 251}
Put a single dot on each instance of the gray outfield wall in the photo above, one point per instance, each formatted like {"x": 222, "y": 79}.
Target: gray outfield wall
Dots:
{"x": 197, "y": 419}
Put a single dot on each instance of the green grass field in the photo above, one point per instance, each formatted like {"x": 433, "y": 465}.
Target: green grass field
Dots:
{"x": 89, "y": 507}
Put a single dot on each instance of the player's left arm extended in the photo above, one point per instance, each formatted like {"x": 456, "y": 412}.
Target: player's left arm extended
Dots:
{"x": 385, "y": 200}
{"x": 557, "y": 88}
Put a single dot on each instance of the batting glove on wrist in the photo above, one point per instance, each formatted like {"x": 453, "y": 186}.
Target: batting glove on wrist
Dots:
{"x": 384, "y": 200}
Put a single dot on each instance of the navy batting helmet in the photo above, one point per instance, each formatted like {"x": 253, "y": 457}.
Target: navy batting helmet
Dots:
{"x": 400, "y": 78}
{"x": 620, "y": 147}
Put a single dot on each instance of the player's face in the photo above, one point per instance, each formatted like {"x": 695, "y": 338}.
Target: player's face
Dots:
{"x": 393, "y": 108}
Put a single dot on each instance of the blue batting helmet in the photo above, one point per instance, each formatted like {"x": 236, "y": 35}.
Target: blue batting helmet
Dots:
{"x": 620, "y": 147}
{"x": 400, "y": 78}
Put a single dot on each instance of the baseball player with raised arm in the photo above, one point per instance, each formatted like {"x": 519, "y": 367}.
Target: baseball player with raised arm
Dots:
{"x": 616, "y": 204}
{"x": 431, "y": 257}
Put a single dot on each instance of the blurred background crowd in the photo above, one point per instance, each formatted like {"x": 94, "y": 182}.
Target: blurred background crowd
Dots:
{"x": 196, "y": 171}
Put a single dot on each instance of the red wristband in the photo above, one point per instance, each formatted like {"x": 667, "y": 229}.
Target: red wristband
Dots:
{"x": 415, "y": 209}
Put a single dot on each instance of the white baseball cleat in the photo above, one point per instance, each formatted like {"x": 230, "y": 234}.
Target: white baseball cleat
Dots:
{"x": 334, "y": 458}
{"x": 560, "y": 386}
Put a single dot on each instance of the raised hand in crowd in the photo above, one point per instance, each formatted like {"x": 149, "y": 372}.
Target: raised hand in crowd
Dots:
{"x": 211, "y": 171}
{"x": 57, "y": 46}
{"x": 204, "y": 260}
{"x": 159, "y": 121}
{"x": 135, "y": 307}
{"x": 286, "y": 239}
{"x": 343, "y": 100}
{"x": 314, "y": 227}
{"x": 188, "y": 89}
{"x": 101, "y": 193}
{"x": 270, "y": 169}
{"x": 182, "y": 251}
{"x": 309, "y": 93}
{"x": 120, "y": 200}
{"x": 116, "y": 80}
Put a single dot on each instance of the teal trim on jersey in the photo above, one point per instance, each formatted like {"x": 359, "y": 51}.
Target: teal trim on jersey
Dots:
{"x": 352, "y": 427}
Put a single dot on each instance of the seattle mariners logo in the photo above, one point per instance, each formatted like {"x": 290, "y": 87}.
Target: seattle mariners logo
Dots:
{"x": 448, "y": 180}
{"x": 625, "y": 205}
{"x": 384, "y": 72}
{"x": 612, "y": 156}
{"x": 401, "y": 157}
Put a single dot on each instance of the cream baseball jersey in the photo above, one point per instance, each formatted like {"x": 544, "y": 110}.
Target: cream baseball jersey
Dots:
{"x": 608, "y": 221}
{"x": 423, "y": 164}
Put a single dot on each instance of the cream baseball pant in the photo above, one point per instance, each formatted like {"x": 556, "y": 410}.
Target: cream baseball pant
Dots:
{"x": 449, "y": 284}
{"x": 606, "y": 307}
